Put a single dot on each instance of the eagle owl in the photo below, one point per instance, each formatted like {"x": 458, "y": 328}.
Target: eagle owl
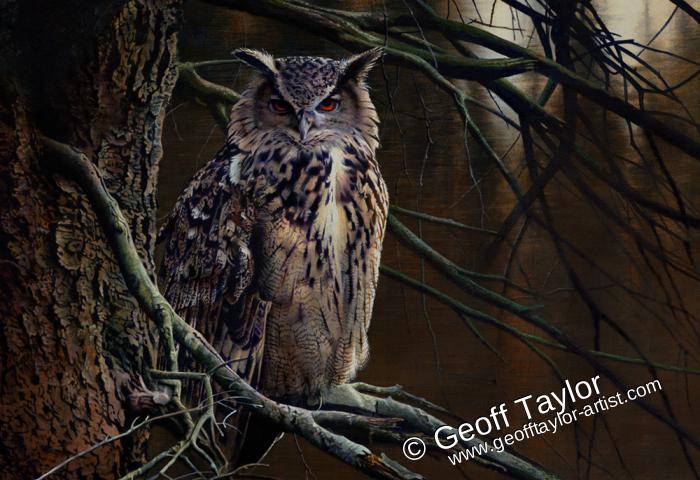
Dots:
{"x": 274, "y": 247}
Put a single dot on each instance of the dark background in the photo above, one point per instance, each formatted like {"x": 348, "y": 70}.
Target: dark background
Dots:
{"x": 421, "y": 344}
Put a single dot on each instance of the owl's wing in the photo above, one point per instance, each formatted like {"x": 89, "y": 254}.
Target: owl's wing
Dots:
{"x": 208, "y": 266}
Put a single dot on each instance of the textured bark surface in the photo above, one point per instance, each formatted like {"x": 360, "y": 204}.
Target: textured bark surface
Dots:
{"x": 73, "y": 339}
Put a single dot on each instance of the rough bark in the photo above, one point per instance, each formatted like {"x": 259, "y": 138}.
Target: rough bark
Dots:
{"x": 98, "y": 76}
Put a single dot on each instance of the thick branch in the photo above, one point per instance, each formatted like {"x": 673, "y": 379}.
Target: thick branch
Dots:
{"x": 215, "y": 96}
{"x": 419, "y": 421}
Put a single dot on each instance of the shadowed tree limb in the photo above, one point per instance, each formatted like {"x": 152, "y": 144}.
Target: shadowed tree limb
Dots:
{"x": 215, "y": 96}
{"x": 463, "y": 309}
{"x": 346, "y": 29}
{"x": 441, "y": 220}
{"x": 451, "y": 270}
{"x": 563, "y": 75}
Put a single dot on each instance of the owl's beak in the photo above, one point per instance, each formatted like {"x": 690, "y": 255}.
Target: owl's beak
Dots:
{"x": 307, "y": 120}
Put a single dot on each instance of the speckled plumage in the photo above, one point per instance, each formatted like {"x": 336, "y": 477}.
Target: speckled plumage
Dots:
{"x": 292, "y": 212}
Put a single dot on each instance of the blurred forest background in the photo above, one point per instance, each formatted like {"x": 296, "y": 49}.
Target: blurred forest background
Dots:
{"x": 421, "y": 343}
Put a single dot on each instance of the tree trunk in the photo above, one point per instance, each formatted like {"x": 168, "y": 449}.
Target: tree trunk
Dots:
{"x": 73, "y": 339}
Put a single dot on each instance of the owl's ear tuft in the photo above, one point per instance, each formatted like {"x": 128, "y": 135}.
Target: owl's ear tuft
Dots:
{"x": 258, "y": 59}
{"x": 358, "y": 66}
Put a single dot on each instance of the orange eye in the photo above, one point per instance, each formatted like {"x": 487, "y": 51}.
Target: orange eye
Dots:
{"x": 328, "y": 105}
{"x": 279, "y": 106}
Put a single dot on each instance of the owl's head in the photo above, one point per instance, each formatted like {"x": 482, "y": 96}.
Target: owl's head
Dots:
{"x": 312, "y": 98}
